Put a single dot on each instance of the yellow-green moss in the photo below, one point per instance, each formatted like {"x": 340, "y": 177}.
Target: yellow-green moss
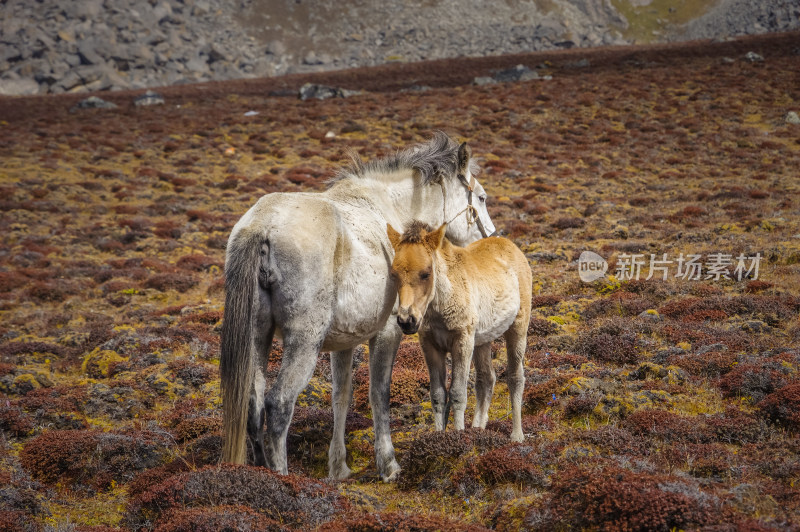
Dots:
{"x": 96, "y": 363}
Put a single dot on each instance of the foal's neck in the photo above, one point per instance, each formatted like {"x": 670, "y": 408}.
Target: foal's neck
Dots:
{"x": 446, "y": 258}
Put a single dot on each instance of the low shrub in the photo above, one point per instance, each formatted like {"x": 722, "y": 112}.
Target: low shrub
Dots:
{"x": 288, "y": 499}
{"x": 612, "y": 498}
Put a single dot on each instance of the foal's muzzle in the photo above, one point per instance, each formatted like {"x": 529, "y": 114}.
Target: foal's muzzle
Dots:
{"x": 408, "y": 325}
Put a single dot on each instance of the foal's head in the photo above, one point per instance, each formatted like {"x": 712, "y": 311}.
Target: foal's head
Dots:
{"x": 413, "y": 270}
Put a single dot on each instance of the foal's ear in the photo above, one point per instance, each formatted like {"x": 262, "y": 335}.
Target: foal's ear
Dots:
{"x": 434, "y": 239}
{"x": 464, "y": 155}
{"x": 394, "y": 236}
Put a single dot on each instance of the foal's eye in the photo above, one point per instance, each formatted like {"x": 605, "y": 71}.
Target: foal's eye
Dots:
{"x": 424, "y": 276}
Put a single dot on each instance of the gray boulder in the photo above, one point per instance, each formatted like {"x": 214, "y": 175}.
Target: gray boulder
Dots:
{"x": 18, "y": 87}
{"x": 93, "y": 102}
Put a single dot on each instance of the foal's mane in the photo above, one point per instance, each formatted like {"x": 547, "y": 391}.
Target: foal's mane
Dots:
{"x": 431, "y": 160}
{"x": 414, "y": 232}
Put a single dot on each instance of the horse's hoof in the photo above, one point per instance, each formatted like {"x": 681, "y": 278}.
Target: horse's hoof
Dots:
{"x": 392, "y": 472}
{"x": 517, "y": 437}
{"x": 339, "y": 473}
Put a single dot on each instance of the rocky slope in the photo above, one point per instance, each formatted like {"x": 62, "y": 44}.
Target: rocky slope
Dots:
{"x": 53, "y": 47}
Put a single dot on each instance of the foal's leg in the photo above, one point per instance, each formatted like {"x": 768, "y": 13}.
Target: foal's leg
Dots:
{"x": 300, "y": 352}
{"x": 515, "y": 346}
{"x": 436, "y": 360}
{"x": 484, "y": 384}
{"x": 342, "y": 377}
{"x": 382, "y": 351}
{"x": 462, "y": 356}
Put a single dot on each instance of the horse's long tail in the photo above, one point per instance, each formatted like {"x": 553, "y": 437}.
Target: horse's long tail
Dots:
{"x": 237, "y": 343}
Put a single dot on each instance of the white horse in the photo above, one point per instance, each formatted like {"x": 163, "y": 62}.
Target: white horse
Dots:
{"x": 314, "y": 269}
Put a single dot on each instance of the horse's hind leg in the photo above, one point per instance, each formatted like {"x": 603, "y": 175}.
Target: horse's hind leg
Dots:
{"x": 342, "y": 377}
{"x": 382, "y": 351}
{"x": 299, "y": 359}
{"x": 436, "y": 361}
{"x": 264, "y": 332}
{"x": 515, "y": 346}
{"x": 484, "y": 384}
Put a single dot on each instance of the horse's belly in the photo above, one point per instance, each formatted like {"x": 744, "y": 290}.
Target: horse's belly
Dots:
{"x": 363, "y": 304}
{"x": 494, "y": 332}
{"x": 495, "y": 319}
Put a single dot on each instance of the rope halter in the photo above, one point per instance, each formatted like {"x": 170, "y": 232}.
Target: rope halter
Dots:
{"x": 472, "y": 213}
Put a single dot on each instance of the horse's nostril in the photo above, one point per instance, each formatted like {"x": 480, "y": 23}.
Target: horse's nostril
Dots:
{"x": 407, "y": 324}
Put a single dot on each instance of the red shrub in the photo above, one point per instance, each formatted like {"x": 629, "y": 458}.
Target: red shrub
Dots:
{"x": 433, "y": 457}
{"x": 712, "y": 364}
{"x": 14, "y": 421}
{"x": 514, "y": 463}
{"x": 171, "y": 281}
{"x": 90, "y": 457}
{"x": 664, "y": 425}
{"x": 609, "y": 344}
{"x": 699, "y": 459}
{"x": 169, "y": 229}
{"x": 540, "y": 327}
{"x": 568, "y": 223}
{"x": 753, "y": 381}
{"x": 783, "y": 406}
{"x": 214, "y": 518}
{"x": 539, "y": 395}
{"x": 757, "y": 286}
{"x": 198, "y": 262}
{"x": 290, "y": 499}
{"x": 396, "y": 522}
{"x": 553, "y": 359}
{"x": 613, "y": 498}
{"x": 546, "y": 300}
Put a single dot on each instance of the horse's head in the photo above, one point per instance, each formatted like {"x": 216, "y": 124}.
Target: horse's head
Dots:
{"x": 414, "y": 271}
{"x": 468, "y": 218}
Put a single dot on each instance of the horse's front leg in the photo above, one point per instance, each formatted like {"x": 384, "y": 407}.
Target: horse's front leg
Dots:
{"x": 462, "y": 356}
{"x": 382, "y": 351}
{"x": 342, "y": 377}
{"x": 436, "y": 360}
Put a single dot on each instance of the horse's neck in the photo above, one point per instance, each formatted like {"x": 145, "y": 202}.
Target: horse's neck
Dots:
{"x": 396, "y": 198}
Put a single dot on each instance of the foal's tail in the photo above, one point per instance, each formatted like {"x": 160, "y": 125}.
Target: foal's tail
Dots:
{"x": 237, "y": 343}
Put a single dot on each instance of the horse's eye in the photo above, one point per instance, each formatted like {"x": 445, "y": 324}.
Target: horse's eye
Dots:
{"x": 424, "y": 276}
{"x": 482, "y": 197}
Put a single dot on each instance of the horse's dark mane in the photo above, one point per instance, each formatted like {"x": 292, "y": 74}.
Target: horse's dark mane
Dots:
{"x": 433, "y": 159}
{"x": 414, "y": 232}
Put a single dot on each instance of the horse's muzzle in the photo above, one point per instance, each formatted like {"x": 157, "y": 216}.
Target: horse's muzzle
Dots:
{"x": 408, "y": 325}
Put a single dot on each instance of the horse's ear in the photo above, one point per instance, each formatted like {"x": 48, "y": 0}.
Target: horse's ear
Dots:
{"x": 464, "y": 155}
{"x": 434, "y": 239}
{"x": 394, "y": 236}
